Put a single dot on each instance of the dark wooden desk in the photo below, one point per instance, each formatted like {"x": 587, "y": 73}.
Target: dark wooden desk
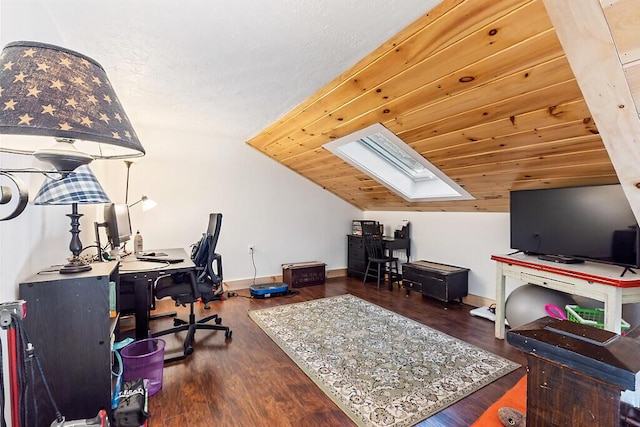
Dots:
{"x": 142, "y": 275}
{"x": 392, "y": 244}
{"x": 357, "y": 255}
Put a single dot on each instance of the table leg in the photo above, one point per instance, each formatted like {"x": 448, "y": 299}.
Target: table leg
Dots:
{"x": 500, "y": 302}
{"x": 613, "y": 309}
{"x": 141, "y": 295}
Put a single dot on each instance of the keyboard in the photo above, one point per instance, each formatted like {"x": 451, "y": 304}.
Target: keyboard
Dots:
{"x": 168, "y": 259}
{"x": 151, "y": 253}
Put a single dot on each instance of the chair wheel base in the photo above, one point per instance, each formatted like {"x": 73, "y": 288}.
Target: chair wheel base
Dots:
{"x": 179, "y": 322}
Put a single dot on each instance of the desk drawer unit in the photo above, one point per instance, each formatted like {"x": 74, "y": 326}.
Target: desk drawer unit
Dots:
{"x": 440, "y": 281}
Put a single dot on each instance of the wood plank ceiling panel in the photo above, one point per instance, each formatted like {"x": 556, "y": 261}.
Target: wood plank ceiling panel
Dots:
{"x": 480, "y": 88}
{"x": 623, "y": 19}
{"x": 591, "y": 43}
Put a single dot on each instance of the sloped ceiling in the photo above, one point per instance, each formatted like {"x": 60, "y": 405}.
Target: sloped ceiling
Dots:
{"x": 480, "y": 88}
{"x": 224, "y": 68}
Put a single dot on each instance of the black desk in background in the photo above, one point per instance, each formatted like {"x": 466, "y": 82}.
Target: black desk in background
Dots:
{"x": 136, "y": 284}
{"x": 357, "y": 254}
{"x": 395, "y": 243}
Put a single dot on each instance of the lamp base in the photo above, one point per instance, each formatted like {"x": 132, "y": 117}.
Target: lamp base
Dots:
{"x": 75, "y": 266}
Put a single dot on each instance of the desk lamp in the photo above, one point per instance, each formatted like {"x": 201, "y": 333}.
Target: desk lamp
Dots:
{"x": 51, "y": 91}
{"x": 147, "y": 203}
{"x": 78, "y": 187}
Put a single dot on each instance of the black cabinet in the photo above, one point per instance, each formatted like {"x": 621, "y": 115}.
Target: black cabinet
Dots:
{"x": 356, "y": 256}
{"x": 441, "y": 281}
{"x": 71, "y": 326}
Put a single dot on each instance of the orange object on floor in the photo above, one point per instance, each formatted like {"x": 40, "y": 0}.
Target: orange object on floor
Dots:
{"x": 515, "y": 398}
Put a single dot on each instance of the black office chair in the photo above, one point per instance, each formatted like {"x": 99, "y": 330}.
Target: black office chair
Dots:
{"x": 379, "y": 262}
{"x": 203, "y": 283}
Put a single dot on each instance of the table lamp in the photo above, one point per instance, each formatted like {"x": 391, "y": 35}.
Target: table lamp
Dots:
{"x": 51, "y": 91}
{"x": 78, "y": 187}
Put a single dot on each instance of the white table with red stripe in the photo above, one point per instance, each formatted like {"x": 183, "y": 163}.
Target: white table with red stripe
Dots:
{"x": 602, "y": 282}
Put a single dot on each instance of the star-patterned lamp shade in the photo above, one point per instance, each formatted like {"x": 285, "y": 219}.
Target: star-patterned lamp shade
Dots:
{"x": 47, "y": 90}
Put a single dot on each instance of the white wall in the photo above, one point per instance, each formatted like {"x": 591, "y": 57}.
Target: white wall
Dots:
{"x": 465, "y": 239}
{"x": 286, "y": 217}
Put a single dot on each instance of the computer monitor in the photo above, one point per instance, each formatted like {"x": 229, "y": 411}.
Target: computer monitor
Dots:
{"x": 118, "y": 224}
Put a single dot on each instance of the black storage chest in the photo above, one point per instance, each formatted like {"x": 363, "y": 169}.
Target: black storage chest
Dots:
{"x": 441, "y": 281}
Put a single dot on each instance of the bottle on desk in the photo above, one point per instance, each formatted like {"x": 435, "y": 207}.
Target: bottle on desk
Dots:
{"x": 137, "y": 242}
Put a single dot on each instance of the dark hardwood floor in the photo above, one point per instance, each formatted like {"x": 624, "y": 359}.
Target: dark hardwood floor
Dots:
{"x": 248, "y": 381}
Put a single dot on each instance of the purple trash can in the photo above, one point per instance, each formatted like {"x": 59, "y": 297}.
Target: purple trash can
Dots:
{"x": 144, "y": 359}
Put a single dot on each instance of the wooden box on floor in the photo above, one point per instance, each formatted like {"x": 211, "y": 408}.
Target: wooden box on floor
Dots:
{"x": 300, "y": 274}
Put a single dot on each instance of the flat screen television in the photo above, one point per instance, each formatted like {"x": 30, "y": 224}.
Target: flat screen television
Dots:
{"x": 592, "y": 223}
{"x": 118, "y": 224}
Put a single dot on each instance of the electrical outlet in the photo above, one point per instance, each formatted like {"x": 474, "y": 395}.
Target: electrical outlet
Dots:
{"x": 251, "y": 249}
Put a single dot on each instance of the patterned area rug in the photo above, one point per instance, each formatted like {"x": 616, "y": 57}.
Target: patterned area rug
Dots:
{"x": 380, "y": 368}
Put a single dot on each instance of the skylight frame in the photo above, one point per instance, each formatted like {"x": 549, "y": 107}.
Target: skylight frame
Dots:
{"x": 396, "y": 156}
{"x": 395, "y": 174}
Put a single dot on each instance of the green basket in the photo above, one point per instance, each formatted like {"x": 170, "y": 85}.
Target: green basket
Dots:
{"x": 590, "y": 316}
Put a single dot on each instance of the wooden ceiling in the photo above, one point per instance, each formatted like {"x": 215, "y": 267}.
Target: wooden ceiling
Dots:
{"x": 481, "y": 88}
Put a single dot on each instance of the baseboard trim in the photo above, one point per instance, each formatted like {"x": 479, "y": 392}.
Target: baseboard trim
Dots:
{"x": 477, "y": 301}
{"x": 235, "y": 285}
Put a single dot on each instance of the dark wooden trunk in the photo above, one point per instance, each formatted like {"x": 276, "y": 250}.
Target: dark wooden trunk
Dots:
{"x": 303, "y": 274}
{"x": 440, "y": 281}
{"x": 559, "y": 396}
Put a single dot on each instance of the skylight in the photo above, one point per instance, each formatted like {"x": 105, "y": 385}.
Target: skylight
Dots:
{"x": 383, "y": 156}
